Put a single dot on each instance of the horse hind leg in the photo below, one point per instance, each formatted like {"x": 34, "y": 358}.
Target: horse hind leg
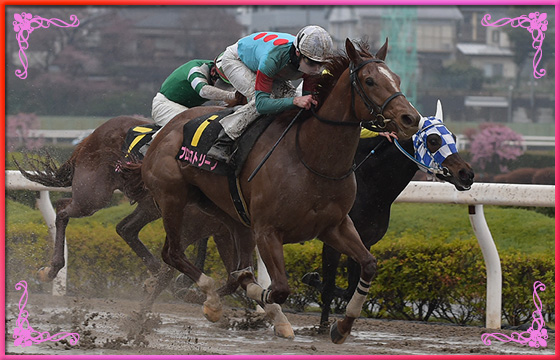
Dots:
{"x": 172, "y": 208}
{"x": 154, "y": 286}
{"x": 129, "y": 228}
{"x": 91, "y": 191}
{"x": 63, "y": 214}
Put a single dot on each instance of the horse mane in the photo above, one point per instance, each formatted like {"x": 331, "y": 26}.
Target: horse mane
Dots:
{"x": 334, "y": 67}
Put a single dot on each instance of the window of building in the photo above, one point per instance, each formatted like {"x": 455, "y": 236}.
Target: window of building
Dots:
{"x": 495, "y": 37}
{"x": 435, "y": 37}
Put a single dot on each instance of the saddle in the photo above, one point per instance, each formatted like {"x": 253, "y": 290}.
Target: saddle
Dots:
{"x": 138, "y": 140}
{"x": 200, "y": 134}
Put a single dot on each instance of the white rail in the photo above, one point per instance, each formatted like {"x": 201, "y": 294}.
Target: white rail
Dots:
{"x": 480, "y": 193}
{"x": 532, "y": 141}
{"x": 416, "y": 192}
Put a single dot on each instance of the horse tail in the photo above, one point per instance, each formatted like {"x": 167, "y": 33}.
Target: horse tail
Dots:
{"x": 133, "y": 185}
{"x": 45, "y": 171}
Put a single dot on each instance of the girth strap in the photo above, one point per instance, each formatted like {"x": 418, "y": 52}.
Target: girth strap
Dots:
{"x": 237, "y": 198}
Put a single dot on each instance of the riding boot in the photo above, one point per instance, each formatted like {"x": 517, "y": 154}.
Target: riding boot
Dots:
{"x": 221, "y": 150}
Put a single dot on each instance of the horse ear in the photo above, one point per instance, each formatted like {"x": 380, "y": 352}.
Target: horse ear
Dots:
{"x": 352, "y": 53}
{"x": 382, "y": 52}
{"x": 439, "y": 111}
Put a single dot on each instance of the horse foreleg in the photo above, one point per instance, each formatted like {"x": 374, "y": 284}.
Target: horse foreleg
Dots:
{"x": 346, "y": 240}
{"x": 331, "y": 259}
{"x": 246, "y": 278}
{"x": 272, "y": 255}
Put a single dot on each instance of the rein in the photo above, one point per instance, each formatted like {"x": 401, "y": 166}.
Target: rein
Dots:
{"x": 375, "y": 125}
{"x": 300, "y": 157}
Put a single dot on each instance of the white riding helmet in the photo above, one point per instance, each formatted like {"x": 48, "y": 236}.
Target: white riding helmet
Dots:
{"x": 314, "y": 42}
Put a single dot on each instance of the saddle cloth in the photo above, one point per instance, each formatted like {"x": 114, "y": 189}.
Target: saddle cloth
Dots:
{"x": 200, "y": 134}
{"x": 138, "y": 139}
{"x": 198, "y": 137}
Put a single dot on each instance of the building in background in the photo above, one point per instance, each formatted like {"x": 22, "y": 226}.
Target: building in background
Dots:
{"x": 130, "y": 50}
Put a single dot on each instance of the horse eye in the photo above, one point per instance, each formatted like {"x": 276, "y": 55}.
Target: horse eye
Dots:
{"x": 369, "y": 81}
{"x": 434, "y": 142}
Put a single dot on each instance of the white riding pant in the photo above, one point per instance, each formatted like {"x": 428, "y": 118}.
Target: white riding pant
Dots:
{"x": 163, "y": 109}
{"x": 243, "y": 80}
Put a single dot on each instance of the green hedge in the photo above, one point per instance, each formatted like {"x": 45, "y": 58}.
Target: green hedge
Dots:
{"x": 423, "y": 274}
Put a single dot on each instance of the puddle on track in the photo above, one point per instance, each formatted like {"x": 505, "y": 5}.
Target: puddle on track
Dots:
{"x": 180, "y": 328}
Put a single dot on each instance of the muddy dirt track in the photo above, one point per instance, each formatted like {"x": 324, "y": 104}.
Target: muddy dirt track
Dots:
{"x": 177, "y": 328}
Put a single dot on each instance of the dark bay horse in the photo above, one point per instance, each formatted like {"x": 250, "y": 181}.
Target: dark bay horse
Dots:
{"x": 304, "y": 191}
{"x": 380, "y": 180}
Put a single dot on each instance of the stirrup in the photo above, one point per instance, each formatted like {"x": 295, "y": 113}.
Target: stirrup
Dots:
{"x": 221, "y": 150}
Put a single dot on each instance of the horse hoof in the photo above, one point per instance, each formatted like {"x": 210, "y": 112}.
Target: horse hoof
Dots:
{"x": 43, "y": 274}
{"x": 212, "y": 314}
{"x": 150, "y": 285}
{"x": 284, "y": 330}
{"x": 336, "y": 336}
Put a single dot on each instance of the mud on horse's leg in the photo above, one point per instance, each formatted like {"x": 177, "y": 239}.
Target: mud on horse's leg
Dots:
{"x": 246, "y": 279}
{"x": 341, "y": 329}
{"x": 155, "y": 285}
{"x": 47, "y": 274}
{"x": 346, "y": 240}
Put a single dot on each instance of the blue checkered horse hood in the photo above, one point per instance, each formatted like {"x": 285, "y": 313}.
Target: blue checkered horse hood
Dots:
{"x": 433, "y": 125}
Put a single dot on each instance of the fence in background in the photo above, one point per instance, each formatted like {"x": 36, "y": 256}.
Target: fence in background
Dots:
{"x": 416, "y": 192}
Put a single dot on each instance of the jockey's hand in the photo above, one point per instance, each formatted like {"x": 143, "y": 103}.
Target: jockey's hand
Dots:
{"x": 389, "y": 135}
{"x": 304, "y": 102}
{"x": 239, "y": 99}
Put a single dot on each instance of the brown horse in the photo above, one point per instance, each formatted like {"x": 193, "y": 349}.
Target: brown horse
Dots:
{"x": 304, "y": 191}
{"x": 90, "y": 171}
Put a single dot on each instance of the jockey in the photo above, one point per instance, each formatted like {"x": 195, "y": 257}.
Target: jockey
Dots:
{"x": 260, "y": 66}
{"x": 191, "y": 84}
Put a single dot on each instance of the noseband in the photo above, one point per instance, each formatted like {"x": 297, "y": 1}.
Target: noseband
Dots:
{"x": 380, "y": 122}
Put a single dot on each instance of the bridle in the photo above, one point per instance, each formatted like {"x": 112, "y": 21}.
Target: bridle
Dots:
{"x": 379, "y": 123}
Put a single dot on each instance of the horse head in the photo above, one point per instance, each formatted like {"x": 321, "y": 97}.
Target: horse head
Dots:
{"x": 383, "y": 104}
{"x": 435, "y": 151}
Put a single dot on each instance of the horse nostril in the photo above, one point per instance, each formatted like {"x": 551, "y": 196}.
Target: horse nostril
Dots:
{"x": 410, "y": 120}
{"x": 466, "y": 175}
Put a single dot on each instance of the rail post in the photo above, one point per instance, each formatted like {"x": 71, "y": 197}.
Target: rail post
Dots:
{"x": 493, "y": 267}
{"x": 47, "y": 210}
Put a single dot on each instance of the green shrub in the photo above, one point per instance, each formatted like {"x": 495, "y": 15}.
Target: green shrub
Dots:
{"x": 301, "y": 259}
{"x": 27, "y": 248}
{"x": 520, "y": 271}
{"x": 426, "y": 272}
{"x": 418, "y": 280}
